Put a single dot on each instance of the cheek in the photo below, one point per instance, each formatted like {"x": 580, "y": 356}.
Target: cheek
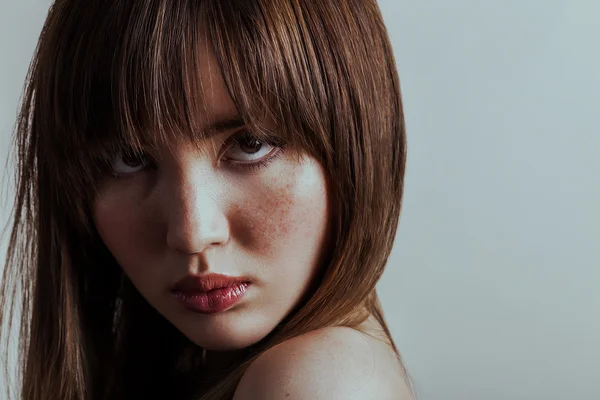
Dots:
{"x": 111, "y": 219}
{"x": 273, "y": 223}
{"x": 289, "y": 219}
{"x": 118, "y": 219}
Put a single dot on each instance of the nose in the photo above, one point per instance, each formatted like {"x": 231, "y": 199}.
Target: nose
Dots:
{"x": 195, "y": 218}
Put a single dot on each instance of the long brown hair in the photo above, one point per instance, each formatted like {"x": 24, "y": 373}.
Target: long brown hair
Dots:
{"x": 319, "y": 74}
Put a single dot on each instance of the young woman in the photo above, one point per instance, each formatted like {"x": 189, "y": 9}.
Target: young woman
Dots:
{"x": 207, "y": 194}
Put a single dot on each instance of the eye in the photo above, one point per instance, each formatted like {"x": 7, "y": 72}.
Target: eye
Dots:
{"x": 246, "y": 148}
{"x": 128, "y": 162}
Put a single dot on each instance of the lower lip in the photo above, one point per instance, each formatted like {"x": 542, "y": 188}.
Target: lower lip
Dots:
{"x": 214, "y": 301}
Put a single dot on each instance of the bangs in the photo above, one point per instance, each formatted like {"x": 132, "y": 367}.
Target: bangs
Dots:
{"x": 138, "y": 68}
{"x": 134, "y": 78}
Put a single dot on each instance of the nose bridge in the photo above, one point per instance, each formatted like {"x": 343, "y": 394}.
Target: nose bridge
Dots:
{"x": 196, "y": 217}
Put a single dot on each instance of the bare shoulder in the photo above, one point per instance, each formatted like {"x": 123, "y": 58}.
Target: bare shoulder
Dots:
{"x": 329, "y": 363}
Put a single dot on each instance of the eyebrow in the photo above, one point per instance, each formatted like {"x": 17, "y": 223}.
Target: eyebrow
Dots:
{"x": 225, "y": 124}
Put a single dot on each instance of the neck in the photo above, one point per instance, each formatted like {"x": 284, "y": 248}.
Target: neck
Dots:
{"x": 216, "y": 363}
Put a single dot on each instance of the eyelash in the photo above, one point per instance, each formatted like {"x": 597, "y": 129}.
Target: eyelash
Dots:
{"x": 231, "y": 141}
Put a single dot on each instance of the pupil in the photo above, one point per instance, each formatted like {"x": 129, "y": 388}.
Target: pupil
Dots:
{"x": 250, "y": 144}
{"x": 131, "y": 159}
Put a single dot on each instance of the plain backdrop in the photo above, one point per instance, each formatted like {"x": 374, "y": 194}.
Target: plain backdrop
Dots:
{"x": 492, "y": 288}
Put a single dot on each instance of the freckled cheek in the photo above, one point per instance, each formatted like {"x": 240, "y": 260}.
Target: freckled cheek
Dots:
{"x": 263, "y": 222}
{"x": 283, "y": 221}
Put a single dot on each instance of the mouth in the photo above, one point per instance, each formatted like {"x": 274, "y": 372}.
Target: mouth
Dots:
{"x": 210, "y": 294}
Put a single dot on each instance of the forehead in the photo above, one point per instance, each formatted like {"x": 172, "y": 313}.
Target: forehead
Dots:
{"x": 197, "y": 107}
{"x": 171, "y": 86}
{"x": 218, "y": 104}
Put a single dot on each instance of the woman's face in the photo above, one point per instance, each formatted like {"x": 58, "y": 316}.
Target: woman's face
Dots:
{"x": 211, "y": 210}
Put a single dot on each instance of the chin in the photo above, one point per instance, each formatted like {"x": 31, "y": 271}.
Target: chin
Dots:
{"x": 225, "y": 332}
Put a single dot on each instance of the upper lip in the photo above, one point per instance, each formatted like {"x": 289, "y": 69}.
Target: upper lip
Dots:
{"x": 205, "y": 283}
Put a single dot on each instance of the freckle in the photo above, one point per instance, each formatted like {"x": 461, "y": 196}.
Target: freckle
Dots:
{"x": 283, "y": 204}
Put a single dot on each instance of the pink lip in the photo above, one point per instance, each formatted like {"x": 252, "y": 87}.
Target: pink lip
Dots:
{"x": 210, "y": 294}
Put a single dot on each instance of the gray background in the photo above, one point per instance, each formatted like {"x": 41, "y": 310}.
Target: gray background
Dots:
{"x": 491, "y": 291}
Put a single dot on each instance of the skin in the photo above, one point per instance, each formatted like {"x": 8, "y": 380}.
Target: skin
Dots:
{"x": 197, "y": 214}
{"x": 329, "y": 363}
